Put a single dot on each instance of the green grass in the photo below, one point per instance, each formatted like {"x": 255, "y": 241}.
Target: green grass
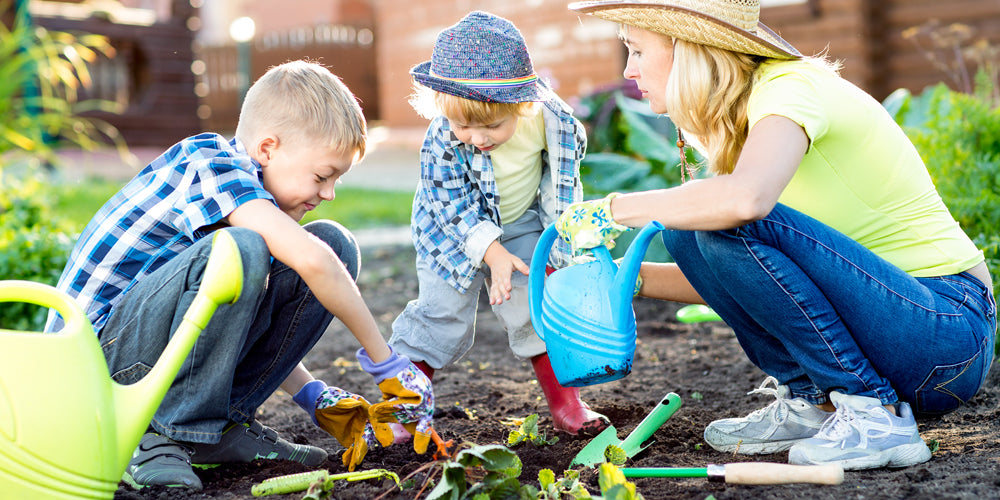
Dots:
{"x": 354, "y": 208}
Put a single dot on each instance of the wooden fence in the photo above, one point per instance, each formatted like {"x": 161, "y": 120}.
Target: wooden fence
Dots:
{"x": 348, "y": 51}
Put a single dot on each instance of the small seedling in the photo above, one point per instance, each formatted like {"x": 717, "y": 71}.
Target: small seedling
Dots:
{"x": 528, "y": 431}
{"x": 615, "y": 454}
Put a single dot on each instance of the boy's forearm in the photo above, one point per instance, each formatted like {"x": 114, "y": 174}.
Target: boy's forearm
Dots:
{"x": 340, "y": 295}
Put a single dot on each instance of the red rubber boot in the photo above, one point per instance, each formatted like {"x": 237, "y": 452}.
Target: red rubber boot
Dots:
{"x": 569, "y": 413}
{"x": 426, "y": 368}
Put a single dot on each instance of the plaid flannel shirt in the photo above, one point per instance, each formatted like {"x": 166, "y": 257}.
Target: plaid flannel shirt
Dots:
{"x": 456, "y": 208}
{"x": 154, "y": 217}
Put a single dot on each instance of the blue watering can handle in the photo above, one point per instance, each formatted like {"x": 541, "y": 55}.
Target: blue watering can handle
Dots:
{"x": 536, "y": 276}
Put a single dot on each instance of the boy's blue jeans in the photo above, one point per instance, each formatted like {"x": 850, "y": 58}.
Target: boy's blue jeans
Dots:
{"x": 820, "y": 312}
{"x": 247, "y": 349}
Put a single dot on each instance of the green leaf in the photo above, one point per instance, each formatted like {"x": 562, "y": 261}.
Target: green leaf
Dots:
{"x": 615, "y": 454}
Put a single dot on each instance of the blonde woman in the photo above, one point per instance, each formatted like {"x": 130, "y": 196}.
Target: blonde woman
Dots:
{"x": 820, "y": 238}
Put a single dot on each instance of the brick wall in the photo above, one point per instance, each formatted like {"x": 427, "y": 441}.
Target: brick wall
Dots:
{"x": 578, "y": 53}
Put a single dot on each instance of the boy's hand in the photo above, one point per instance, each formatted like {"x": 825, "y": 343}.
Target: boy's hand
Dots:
{"x": 502, "y": 264}
{"x": 407, "y": 398}
{"x": 589, "y": 224}
{"x": 342, "y": 414}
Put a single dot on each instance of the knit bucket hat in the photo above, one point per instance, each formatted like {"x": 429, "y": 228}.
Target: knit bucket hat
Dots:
{"x": 483, "y": 58}
{"x": 727, "y": 24}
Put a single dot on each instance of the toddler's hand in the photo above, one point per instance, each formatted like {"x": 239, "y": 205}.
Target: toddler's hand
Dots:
{"x": 502, "y": 265}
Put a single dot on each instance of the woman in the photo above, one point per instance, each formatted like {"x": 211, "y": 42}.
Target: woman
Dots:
{"x": 820, "y": 239}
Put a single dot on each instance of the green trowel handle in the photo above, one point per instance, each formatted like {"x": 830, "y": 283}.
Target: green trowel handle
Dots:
{"x": 656, "y": 418}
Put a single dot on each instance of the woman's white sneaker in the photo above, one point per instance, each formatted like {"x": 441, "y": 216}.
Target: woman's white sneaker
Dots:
{"x": 772, "y": 429}
{"x": 863, "y": 435}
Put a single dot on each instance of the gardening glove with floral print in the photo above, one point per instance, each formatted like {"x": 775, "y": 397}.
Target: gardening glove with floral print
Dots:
{"x": 588, "y": 224}
{"x": 407, "y": 399}
{"x": 342, "y": 414}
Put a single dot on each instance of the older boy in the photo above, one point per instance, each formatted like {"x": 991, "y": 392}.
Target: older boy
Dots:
{"x": 139, "y": 263}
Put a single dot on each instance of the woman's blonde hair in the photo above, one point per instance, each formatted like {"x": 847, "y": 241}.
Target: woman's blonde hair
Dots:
{"x": 706, "y": 96}
{"x": 430, "y": 103}
{"x": 303, "y": 103}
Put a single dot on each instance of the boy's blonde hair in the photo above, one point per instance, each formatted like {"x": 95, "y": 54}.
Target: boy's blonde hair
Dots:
{"x": 303, "y": 103}
{"x": 430, "y": 103}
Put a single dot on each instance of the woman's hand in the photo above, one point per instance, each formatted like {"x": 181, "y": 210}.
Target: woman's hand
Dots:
{"x": 589, "y": 224}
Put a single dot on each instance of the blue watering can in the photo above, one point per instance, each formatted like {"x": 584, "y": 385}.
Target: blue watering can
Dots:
{"x": 584, "y": 312}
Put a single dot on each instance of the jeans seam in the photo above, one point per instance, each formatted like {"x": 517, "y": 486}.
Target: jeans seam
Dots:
{"x": 816, "y": 330}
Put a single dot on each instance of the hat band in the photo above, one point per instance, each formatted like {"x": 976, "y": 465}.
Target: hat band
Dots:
{"x": 490, "y": 84}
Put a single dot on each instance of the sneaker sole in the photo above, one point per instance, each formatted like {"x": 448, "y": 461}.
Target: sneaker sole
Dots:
{"x": 900, "y": 456}
{"x": 765, "y": 448}
{"x": 129, "y": 480}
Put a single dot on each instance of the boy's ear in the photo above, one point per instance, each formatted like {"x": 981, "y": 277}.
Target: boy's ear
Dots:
{"x": 264, "y": 149}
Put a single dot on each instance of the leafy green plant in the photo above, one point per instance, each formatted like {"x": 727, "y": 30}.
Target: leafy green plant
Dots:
{"x": 482, "y": 472}
{"x": 34, "y": 246}
{"x": 630, "y": 148}
{"x": 568, "y": 486}
{"x": 528, "y": 432}
{"x": 613, "y": 484}
{"x": 41, "y": 75}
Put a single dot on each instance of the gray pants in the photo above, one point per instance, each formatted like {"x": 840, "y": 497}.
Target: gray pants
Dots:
{"x": 439, "y": 326}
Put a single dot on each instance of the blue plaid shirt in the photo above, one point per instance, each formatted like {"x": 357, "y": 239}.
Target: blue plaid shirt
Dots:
{"x": 157, "y": 215}
{"x": 456, "y": 208}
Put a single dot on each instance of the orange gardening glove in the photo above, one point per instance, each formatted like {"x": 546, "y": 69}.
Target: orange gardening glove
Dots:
{"x": 407, "y": 398}
{"x": 342, "y": 414}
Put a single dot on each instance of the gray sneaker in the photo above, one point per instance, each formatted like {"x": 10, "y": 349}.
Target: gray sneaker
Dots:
{"x": 248, "y": 442}
{"x": 161, "y": 461}
{"x": 771, "y": 429}
{"x": 864, "y": 435}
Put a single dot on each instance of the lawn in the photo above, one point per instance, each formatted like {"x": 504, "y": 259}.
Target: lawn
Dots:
{"x": 355, "y": 208}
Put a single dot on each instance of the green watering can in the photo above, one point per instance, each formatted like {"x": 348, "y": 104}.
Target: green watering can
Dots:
{"x": 67, "y": 430}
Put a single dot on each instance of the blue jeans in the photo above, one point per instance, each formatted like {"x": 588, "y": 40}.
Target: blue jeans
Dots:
{"x": 247, "y": 349}
{"x": 820, "y": 312}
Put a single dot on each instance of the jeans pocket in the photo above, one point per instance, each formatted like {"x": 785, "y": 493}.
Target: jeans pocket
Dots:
{"x": 949, "y": 386}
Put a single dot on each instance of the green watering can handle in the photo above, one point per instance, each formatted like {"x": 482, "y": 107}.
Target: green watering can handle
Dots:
{"x": 75, "y": 320}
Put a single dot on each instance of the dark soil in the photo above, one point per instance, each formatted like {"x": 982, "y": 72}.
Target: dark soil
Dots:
{"x": 701, "y": 362}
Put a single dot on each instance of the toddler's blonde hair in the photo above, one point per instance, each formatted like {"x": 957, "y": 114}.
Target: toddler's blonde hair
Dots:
{"x": 430, "y": 103}
{"x": 303, "y": 103}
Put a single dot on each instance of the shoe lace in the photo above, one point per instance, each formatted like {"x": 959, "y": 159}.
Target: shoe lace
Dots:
{"x": 779, "y": 408}
{"x": 846, "y": 420}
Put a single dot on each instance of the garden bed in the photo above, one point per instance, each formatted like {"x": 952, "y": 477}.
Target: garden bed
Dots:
{"x": 702, "y": 363}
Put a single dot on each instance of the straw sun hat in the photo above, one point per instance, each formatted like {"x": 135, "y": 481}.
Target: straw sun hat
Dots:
{"x": 483, "y": 58}
{"x": 727, "y": 24}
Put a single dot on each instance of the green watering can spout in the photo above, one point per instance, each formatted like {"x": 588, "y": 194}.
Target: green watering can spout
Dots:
{"x": 222, "y": 283}
{"x": 80, "y": 447}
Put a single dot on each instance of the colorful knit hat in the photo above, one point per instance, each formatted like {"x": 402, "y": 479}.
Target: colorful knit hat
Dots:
{"x": 727, "y": 24}
{"x": 482, "y": 58}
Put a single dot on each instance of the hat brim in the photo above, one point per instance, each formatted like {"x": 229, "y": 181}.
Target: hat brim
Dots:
{"x": 690, "y": 25}
{"x": 528, "y": 93}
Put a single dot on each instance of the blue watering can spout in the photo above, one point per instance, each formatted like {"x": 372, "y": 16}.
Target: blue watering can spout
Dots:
{"x": 584, "y": 312}
{"x": 622, "y": 288}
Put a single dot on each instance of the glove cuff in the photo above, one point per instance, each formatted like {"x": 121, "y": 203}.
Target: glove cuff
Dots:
{"x": 611, "y": 217}
{"x": 307, "y": 396}
{"x": 387, "y": 369}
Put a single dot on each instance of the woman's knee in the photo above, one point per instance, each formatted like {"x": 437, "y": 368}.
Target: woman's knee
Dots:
{"x": 340, "y": 240}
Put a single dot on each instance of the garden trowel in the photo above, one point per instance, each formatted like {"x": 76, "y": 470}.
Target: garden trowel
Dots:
{"x": 593, "y": 453}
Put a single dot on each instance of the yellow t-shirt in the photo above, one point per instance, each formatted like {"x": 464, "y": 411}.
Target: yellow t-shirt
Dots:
{"x": 861, "y": 174}
{"x": 517, "y": 166}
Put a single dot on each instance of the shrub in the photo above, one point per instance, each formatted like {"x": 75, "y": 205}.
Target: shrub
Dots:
{"x": 34, "y": 246}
